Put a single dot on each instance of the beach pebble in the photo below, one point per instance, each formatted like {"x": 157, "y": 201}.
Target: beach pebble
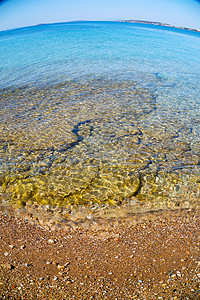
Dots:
{"x": 28, "y": 265}
{"x": 140, "y": 281}
{"x": 68, "y": 281}
{"x": 50, "y": 241}
{"x": 11, "y": 246}
{"x": 60, "y": 267}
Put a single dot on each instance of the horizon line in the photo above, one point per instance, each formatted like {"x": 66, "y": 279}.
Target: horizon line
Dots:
{"x": 135, "y": 21}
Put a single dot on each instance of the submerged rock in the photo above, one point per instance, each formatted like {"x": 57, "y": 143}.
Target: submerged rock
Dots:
{"x": 99, "y": 141}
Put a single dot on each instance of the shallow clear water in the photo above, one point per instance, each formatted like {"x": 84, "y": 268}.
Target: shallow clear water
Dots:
{"x": 101, "y": 112}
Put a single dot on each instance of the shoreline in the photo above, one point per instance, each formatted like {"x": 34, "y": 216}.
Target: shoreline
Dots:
{"x": 159, "y": 24}
{"x": 153, "y": 257}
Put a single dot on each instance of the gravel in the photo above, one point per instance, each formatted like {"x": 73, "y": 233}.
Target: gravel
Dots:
{"x": 151, "y": 256}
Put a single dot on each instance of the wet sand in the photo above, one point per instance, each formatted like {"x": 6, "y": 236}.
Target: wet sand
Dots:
{"x": 152, "y": 256}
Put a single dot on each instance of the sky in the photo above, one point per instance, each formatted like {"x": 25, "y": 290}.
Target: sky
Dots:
{"x": 22, "y": 13}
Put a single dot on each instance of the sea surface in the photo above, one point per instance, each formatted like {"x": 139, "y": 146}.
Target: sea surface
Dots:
{"x": 100, "y": 112}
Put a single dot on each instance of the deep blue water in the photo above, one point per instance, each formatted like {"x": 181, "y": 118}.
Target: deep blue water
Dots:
{"x": 94, "y": 108}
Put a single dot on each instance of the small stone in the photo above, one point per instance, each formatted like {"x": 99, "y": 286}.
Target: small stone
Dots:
{"x": 22, "y": 247}
{"x": 5, "y": 253}
{"x": 178, "y": 273}
{"x": 28, "y": 265}
{"x": 55, "y": 278}
{"x": 13, "y": 287}
{"x": 11, "y": 246}
{"x": 60, "y": 267}
{"x": 50, "y": 241}
{"x": 170, "y": 273}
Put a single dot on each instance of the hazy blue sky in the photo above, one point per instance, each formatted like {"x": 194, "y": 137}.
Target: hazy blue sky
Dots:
{"x": 19, "y": 13}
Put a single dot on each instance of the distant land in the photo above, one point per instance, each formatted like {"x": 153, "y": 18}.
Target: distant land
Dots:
{"x": 128, "y": 21}
{"x": 159, "y": 24}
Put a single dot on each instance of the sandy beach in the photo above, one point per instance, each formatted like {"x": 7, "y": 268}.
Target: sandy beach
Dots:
{"x": 154, "y": 256}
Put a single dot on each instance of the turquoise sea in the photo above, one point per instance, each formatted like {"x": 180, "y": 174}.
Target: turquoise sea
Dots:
{"x": 100, "y": 112}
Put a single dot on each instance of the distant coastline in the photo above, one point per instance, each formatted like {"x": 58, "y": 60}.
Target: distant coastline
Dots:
{"x": 125, "y": 21}
{"x": 158, "y": 24}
